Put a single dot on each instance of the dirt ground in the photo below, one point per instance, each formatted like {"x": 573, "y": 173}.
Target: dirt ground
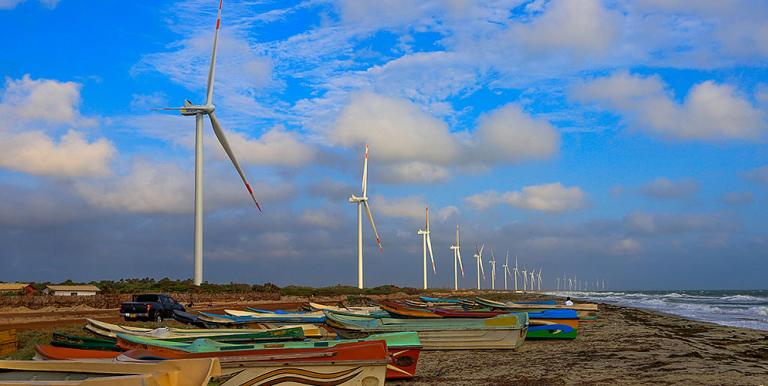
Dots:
{"x": 624, "y": 346}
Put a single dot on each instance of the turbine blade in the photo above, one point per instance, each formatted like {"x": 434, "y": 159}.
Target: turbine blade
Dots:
{"x": 212, "y": 69}
{"x": 370, "y": 218}
{"x": 365, "y": 173}
{"x": 225, "y": 144}
{"x": 431, "y": 256}
{"x": 481, "y": 265}
{"x": 458, "y": 252}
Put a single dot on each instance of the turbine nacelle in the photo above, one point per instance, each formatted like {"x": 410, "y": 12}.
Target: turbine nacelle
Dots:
{"x": 355, "y": 199}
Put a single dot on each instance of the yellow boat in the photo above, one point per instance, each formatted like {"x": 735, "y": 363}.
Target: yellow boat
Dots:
{"x": 186, "y": 372}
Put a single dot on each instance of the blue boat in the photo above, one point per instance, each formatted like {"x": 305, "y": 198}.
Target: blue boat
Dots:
{"x": 267, "y": 318}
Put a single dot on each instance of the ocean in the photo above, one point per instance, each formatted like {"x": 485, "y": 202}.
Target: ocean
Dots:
{"x": 729, "y": 308}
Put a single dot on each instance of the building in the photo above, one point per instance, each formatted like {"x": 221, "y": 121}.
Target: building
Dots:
{"x": 72, "y": 290}
{"x": 16, "y": 288}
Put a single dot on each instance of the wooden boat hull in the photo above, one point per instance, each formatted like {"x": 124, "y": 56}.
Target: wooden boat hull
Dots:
{"x": 400, "y": 311}
{"x": 83, "y": 343}
{"x": 536, "y": 307}
{"x": 551, "y": 331}
{"x": 48, "y": 352}
{"x": 260, "y": 317}
{"x": 403, "y": 350}
{"x": 182, "y": 335}
{"x": 505, "y": 332}
{"x": 359, "y": 363}
{"x": 90, "y": 373}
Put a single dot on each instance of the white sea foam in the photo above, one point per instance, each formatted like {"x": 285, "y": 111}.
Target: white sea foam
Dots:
{"x": 747, "y": 309}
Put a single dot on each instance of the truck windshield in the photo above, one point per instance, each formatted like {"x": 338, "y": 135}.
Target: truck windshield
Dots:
{"x": 145, "y": 298}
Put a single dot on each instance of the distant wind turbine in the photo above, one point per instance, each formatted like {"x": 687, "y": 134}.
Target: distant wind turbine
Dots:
{"x": 516, "y": 273}
{"x": 493, "y": 270}
{"x": 199, "y": 111}
{"x": 533, "y": 280}
{"x": 539, "y": 281}
{"x": 506, "y": 270}
{"x": 457, "y": 257}
{"x": 525, "y": 279}
{"x": 480, "y": 270}
{"x": 427, "y": 245}
{"x": 558, "y": 284}
{"x": 361, "y": 202}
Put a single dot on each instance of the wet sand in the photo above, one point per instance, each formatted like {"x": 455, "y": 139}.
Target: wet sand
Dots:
{"x": 624, "y": 346}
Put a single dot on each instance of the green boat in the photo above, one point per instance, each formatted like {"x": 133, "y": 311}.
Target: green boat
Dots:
{"x": 83, "y": 343}
{"x": 394, "y": 340}
{"x": 501, "y": 332}
{"x": 551, "y": 331}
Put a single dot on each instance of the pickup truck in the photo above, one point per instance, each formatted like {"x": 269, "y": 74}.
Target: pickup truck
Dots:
{"x": 154, "y": 307}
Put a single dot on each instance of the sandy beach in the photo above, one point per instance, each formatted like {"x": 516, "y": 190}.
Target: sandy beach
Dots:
{"x": 624, "y": 346}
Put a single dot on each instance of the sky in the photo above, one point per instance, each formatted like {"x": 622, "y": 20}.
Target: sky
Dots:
{"x": 610, "y": 140}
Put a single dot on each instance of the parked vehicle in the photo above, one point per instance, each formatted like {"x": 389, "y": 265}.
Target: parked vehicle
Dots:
{"x": 155, "y": 307}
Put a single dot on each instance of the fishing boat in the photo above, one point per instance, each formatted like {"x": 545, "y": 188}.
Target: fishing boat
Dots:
{"x": 358, "y": 363}
{"x": 501, "y": 332}
{"x": 398, "y": 310}
{"x": 82, "y": 342}
{"x": 273, "y": 317}
{"x": 50, "y": 352}
{"x": 403, "y": 349}
{"x": 353, "y": 310}
{"x": 180, "y": 334}
{"x": 438, "y": 301}
{"x": 567, "y": 317}
{"x": 551, "y": 331}
{"x": 108, "y": 373}
{"x": 585, "y": 311}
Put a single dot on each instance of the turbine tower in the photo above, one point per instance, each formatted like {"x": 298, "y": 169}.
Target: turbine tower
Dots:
{"x": 199, "y": 111}
{"x": 533, "y": 280}
{"x": 457, "y": 257}
{"x": 480, "y": 270}
{"x": 363, "y": 201}
{"x": 558, "y": 283}
{"x": 525, "y": 279}
{"x": 516, "y": 271}
{"x": 427, "y": 245}
{"x": 539, "y": 277}
{"x": 506, "y": 270}
{"x": 493, "y": 270}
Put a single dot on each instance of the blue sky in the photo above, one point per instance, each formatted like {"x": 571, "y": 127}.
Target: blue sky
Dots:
{"x": 623, "y": 141}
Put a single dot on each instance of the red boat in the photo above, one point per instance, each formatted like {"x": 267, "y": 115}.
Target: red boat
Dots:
{"x": 49, "y": 352}
{"x": 399, "y": 310}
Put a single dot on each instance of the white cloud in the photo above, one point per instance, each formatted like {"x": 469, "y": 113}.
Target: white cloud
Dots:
{"x": 627, "y": 246}
{"x": 163, "y": 187}
{"x": 420, "y": 148}
{"x": 581, "y": 27}
{"x": 411, "y": 207}
{"x": 395, "y": 129}
{"x": 553, "y": 197}
{"x": 318, "y": 218}
{"x": 31, "y": 108}
{"x": 508, "y": 134}
{"x": 11, "y": 4}
{"x": 34, "y": 152}
{"x": 710, "y": 111}
{"x": 275, "y": 147}
{"x": 664, "y": 188}
{"x": 43, "y": 100}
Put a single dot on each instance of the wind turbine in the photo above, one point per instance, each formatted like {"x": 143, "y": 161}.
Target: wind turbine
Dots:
{"x": 525, "y": 279}
{"x": 493, "y": 270}
{"x": 506, "y": 270}
{"x": 558, "y": 283}
{"x": 363, "y": 201}
{"x": 533, "y": 279}
{"x": 516, "y": 273}
{"x": 427, "y": 245}
{"x": 570, "y": 284}
{"x": 457, "y": 257}
{"x": 539, "y": 276}
{"x": 199, "y": 111}
{"x": 480, "y": 270}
